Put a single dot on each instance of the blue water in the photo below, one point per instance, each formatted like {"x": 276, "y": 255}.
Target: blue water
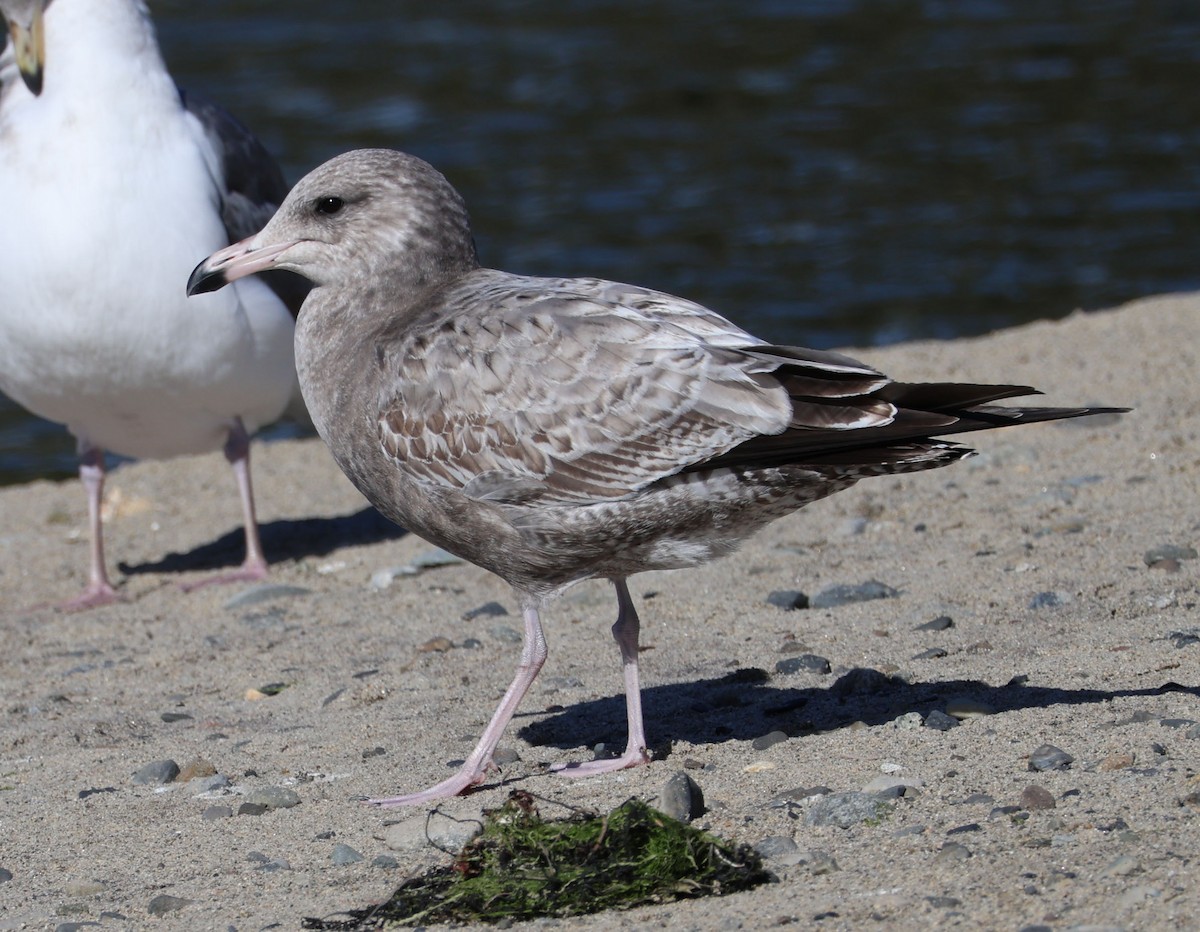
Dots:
{"x": 826, "y": 172}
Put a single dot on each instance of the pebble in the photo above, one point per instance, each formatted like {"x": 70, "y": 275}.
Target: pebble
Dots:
{"x": 5, "y": 875}
{"x": 1168, "y": 552}
{"x": 964, "y": 708}
{"x": 505, "y": 755}
{"x": 908, "y": 721}
{"x": 907, "y": 786}
{"x": 265, "y": 592}
{"x": 1049, "y": 600}
{"x": 251, "y": 809}
{"x": 941, "y": 623}
{"x": 779, "y": 848}
{"x": 385, "y": 861}
{"x": 681, "y": 798}
{"x": 1116, "y": 762}
{"x": 157, "y": 773}
{"x": 197, "y": 767}
{"x": 1185, "y": 638}
{"x": 486, "y": 610}
{"x": 1122, "y": 866}
{"x": 172, "y": 717}
{"x": 506, "y": 634}
{"x": 847, "y": 594}
{"x": 862, "y": 681}
{"x": 769, "y": 740}
{"x": 344, "y": 854}
{"x": 805, "y": 663}
{"x": 788, "y": 599}
{"x": 846, "y": 809}
{"x": 932, "y": 653}
{"x": 940, "y": 721}
{"x": 820, "y": 862}
{"x": 436, "y": 645}
{"x": 952, "y": 851}
{"x": 1036, "y": 797}
{"x": 213, "y": 813}
{"x": 443, "y": 829}
{"x": 273, "y": 797}
{"x": 165, "y": 903}
{"x": 1048, "y": 757}
{"x": 965, "y": 829}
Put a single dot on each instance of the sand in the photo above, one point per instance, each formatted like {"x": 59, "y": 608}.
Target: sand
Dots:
{"x": 371, "y": 706}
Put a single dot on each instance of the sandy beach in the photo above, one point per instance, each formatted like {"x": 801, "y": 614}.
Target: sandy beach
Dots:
{"x": 1062, "y": 554}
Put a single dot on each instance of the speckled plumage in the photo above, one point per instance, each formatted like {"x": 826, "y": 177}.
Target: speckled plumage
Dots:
{"x": 553, "y": 430}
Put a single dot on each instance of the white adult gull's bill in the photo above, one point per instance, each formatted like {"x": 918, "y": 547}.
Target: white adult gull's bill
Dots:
{"x": 113, "y": 182}
{"x": 555, "y": 430}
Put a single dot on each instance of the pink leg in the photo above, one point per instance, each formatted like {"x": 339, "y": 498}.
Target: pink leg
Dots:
{"x": 254, "y": 567}
{"x": 99, "y": 590}
{"x": 533, "y": 655}
{"x": 625, "y": 631}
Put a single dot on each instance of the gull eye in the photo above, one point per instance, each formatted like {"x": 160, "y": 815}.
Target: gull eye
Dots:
{"x": 329, "y": 205}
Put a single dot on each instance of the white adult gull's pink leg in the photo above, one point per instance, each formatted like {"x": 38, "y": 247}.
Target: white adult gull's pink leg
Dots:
{"x": 625, "y": 631}
{"x": 254, "y": 567}
{"x": 533, "y": 656}
{"x": 99, "y": 590}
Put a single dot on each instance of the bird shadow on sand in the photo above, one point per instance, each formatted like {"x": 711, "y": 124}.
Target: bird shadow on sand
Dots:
{"x": 282, "y": 540}
{"x": 745, "y": 705}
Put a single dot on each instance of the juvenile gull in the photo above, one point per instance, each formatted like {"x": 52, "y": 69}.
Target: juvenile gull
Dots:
{"x": 554, "y": 430}
{"x": 113, "y": 182}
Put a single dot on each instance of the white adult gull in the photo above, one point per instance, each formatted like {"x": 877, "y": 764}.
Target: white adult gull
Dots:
{"x": 554, "y": 430}
{"x": 113, "y": 181}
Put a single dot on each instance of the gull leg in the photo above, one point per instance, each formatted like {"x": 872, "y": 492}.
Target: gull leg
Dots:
{"x": 99, "y": 590}
{"x": 254, "y": 567}
{"x": 533, "y": 656}
{"x": 625, "y": 632}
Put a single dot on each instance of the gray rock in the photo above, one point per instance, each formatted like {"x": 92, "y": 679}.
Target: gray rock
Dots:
{"x": 951, "y": 852}
{"x": 846, "y": 809}
{"x": 788, "y": 599}
{"x": 1048, "y": 757}
{"x": 165, "y": 903}
{"x": 770, "y": 739}
{"x": 847, "y": 594}
{"x": 1168, "y": 552}
{"x": 940, "y": 721}
{"x": 681, "y": 798}
{"x": 820, "y": 862}
{"x": 273, "y": 797}
{"x": 218, "y": 781}
{"x": 265, "y": 592}
{"x": 779, "y": 848}
{"x": 445, "y": 829}
{"x": 486, "y": 610}
{"x": 932, "y": 653}
{"x": 889, "y": 784}
{"x": 506, "y": 634}
{"x": 1185, "y": 638}
{"x": 385, "y": 861}
{"x": 1042, "y": 600}
{"x": 5, "y": 875}
{"x": 504, "y": 755}
{"x": 978, "y": 799}
{"x": 908, "y": 721}
{"x": 157, "y": 773}
{"x": 941, "y": 623}
{"x": 251, "y": 809}
{"x": 431, "y": 559}
{"x": 1036, "y": 797}
{"x": 344, "y": 854}
{"x": 213, "y": 813}
{"x": 805, "y": 663}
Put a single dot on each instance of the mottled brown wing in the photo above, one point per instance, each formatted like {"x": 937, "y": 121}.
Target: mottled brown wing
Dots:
{"x": 586, "y": 391}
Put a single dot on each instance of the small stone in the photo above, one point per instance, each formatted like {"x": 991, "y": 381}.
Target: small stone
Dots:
{"x": 385, "y": 861}
{"x": 197, "y": 767}
{"x": 779, "y": 848}
{"x": 265, "y": 592}
{"x": 681, "y": 798}
{"x": 506, "y": 634}
{"x": 1049, "y": 600}
{"x": 966, "y": 829}
{"x": 213, "y": 813}
{"x": 1168, "y": 552}
{"x": 251, "y": 809}
{"x": 431, "y": 559}
{"x": 846, "y": 809}
{"x": 932, "y": 653}
{"x": 941, "y": 623}
{"x": 770, "y": 739}
{"x": 5, "y": 875}
{"x": 805, "y": 663}
{"x": 487, "y": 610}
{"x": 1048, "y": 757}
{"x": 788, "y": 599}
{"x": 503, "y": 755}
{"x": 202, "y": 785}
{"x": 164, "y": 903}
{"x": 436, "y": 645}
{"x": 847, "y": 594}
{"x": 908, "y": 721}
{"x": 820, "y": 862}
{"x": 1036, "y": 797}
{"x": 885, "y": 783}
{"x": 443, "y": 828}
{"x": 965, "y": 708}
{"x": 171, "y": 717}
{"x": 951, "y": 852}
{"x": 1116, "y": 762}
{"x": 978, "y": 799}
{"x": 940, "y": 721}
{"x": 157, "y": 773}
{"x": 1122, "y": 866}
{"x": 273, "y": 797}
{"x": 862, "y": 681}
{"x": 344, "y": 854}
{"x": 1182, "y": 639}
{"x": 943, "y": 902}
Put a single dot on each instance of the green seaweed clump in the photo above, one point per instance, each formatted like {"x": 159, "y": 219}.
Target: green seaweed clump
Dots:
{"x": 522, "y": 867}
